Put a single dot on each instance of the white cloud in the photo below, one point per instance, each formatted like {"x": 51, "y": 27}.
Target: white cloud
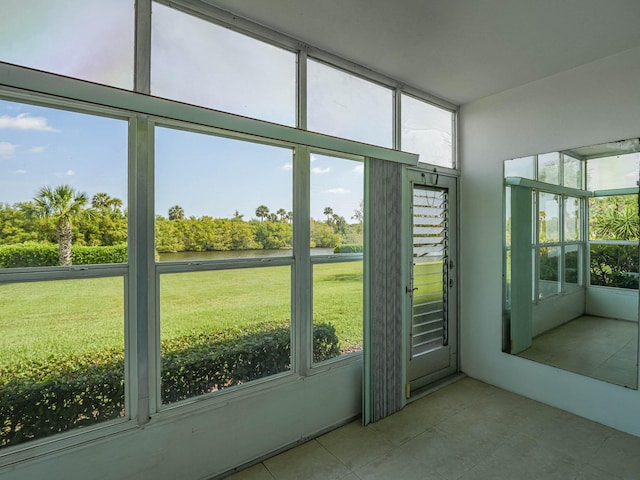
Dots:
{"x": 37, "y": 149}
{"x": 20, "y": 172}
{"x": 7, "y": 149}
{"x": 320, "y": 171}
{"x": 24, "y": 121}
{"x": 338, "y": 190}
{"x": 313, "y": 157}
{"x": 359, "y": 168}
{"x": 287, "y": 166}
{"x": 69, "y": 172}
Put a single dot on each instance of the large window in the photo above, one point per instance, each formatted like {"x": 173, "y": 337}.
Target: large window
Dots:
{"x": 63, "y": 221}
{"x": 88, "y": 40}
{"x": 148, "y": 250}
{"x": 228, "y": 204}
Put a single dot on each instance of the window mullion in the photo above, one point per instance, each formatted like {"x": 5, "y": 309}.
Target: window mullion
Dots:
{"x": 142, "y": 58}
{"x": 142, "y": 291}
{"x": 302, "y": 277}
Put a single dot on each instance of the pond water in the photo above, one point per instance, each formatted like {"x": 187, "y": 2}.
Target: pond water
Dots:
{"x": 194, "y": 256}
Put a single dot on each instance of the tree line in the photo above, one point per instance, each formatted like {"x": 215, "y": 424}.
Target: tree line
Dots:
{"x": 64, "y": 216}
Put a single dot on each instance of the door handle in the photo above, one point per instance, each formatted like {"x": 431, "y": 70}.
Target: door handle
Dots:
{"x": 411, "y": 290}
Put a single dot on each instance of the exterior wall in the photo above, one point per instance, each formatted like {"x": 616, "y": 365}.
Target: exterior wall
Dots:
{"x": 591, "y": 104}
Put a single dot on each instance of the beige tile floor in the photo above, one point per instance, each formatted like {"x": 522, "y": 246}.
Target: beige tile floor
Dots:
{"x": 602, "y": 348}
{"x": 467, "y": 431}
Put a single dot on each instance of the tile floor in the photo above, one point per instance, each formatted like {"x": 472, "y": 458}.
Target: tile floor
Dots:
{"x": 602, "y": 348}
{"x": 466, "y": 431}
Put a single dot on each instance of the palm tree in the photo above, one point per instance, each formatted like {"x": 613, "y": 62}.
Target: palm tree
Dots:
{"x": 262, "y": 212}
{"x": 282, "y": 213}
{"x": 103, "y": 201}
{"x": 64, "y": 205}
{"x": 176, "y": 213}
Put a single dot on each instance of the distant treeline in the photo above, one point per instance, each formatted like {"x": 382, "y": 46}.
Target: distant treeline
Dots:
{"x": 177, "y": 233}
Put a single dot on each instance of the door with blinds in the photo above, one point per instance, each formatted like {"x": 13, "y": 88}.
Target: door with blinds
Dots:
{"x": 432, "y": 284}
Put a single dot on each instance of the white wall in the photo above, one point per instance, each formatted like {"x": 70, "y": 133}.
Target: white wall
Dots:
{"x": 557, "y": 310}
{"x": 610, "y": 302}
{"x": 591, "y": 104}
{"x": 211, "y": 439}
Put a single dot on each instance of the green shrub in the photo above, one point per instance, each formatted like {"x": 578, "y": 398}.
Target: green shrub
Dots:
{"x": 34, "y": 254}
{"x": 349, "y": 248}
{"x": 41, "y": 399}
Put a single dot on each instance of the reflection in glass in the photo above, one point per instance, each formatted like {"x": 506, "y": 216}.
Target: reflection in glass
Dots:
{"x": 61, "y": 356}
{"x": 589, "y": 327}
{"x": 571, "y": 219}
{"x": 614, "y": 265}
{"x": 549, "y": 168}
{"x": 199, "y": 62}
{"x": 549, "y": 214}
{"x": 572, "y": 259}
{"x": 520, "y": 167}
{"x": 223, "y": 328}
{"x": 86, "y": 40}
{"x": 427, "y": 131}
{"x": 549, "y": 270}
{"x": 215, "y": 194}
{"x": 347, "y": 106}
{"x": 613, "y": 172}
{"x": 572, "y": 172}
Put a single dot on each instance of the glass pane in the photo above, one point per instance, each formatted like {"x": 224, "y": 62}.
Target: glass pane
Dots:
{"x": 520, "y": 167}
{"x": 614, "y": 218}
{"x": 337, "y": 208}
{"x": 549, "y": 270}
{"x": 223, "y": 328}
{"x": 219, "y": 198}
{"x": 572, "y": 174}
{"x": 571, "y": 219}
{"x": 61, "y": 356}
{"x": 572, "y": 255}
{"x": 87, "y": 40}
{"x": 343, "y": 105}
{"x": 549, "y": 168}
{"x": 59, "y": 202}
{"x": 549, "y": 218}
{"x": 614, "y": 266}
{"x": 204, "y": 64}
{"x": 613, "y": 172}
{"x": 427, "y": 130}
{"x": 337, "y": 309}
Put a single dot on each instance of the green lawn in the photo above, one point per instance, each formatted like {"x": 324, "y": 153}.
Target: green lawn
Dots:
{"x": 43, "y": 319}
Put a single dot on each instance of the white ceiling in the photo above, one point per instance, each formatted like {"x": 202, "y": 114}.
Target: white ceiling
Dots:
{"x": 459, "y": 50}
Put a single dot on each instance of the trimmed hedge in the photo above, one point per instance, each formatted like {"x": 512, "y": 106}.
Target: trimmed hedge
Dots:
{"x": 34, "y": 254}
{"x": 41, "y": 399}
{"x": 349, "y": 248}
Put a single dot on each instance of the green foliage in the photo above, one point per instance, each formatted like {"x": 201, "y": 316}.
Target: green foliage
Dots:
{"x": 614, "y": 218}
{"x": 323, "y": 235}
{"x": 38, "y": 399}
{"x": 349, "y": 248}
{"x": 34, "y": 254}
{"x": 614, "y": 266}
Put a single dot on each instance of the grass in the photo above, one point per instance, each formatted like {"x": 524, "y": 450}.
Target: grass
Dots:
{"x": 67, "y": 317}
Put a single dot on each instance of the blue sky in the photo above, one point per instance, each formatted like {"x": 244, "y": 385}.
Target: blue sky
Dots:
{"x": 204, "y": 174}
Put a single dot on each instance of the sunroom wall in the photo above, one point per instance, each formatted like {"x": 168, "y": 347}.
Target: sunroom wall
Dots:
{"x": 594, "y": 103}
